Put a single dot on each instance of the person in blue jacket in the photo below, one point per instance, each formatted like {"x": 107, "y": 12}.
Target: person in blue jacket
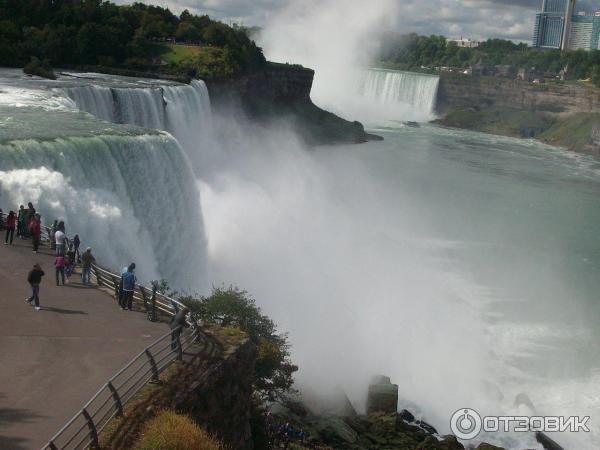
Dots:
{"x": 128, "y": 281}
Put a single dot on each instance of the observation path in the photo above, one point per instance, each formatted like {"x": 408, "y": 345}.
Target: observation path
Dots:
{"x": 53, "y": 360}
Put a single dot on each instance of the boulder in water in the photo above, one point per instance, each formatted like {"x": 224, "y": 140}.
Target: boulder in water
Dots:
{"x": 485, "y": 446}
{"x": 383, "y": 396}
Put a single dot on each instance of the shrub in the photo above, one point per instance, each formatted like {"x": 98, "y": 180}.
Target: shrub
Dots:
{"x": 173, "y": 431}
{"x": 232, "y": 307}
{"x": 39, "y": 68}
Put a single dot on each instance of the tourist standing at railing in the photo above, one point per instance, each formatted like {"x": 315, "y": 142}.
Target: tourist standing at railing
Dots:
{"x": 128, "y": 281}
{"x": 11, "y": 222}
{"x": 34, "y": 278}
{"x": 70, "y": 262}
{"x": 52, "y": 235}
{"x": 35, "y": 229}
{"x": 60, "y": 238}
{"x": 76, "y": 244}
{"x": 21, "y": 218}
{"x": 178, "y": 323}
{"x": 29, "y": 215}
{"x": 59, "y": 264}
{"x": 87, "y": 259}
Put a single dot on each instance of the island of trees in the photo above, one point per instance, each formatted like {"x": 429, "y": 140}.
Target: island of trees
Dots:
{"x": 100, "y": 34}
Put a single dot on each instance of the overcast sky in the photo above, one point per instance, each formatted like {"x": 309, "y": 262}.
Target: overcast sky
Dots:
{"x": 476, "y": 19}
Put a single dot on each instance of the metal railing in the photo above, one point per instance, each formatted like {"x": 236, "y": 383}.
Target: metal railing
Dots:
{"x": 82, "y": 431}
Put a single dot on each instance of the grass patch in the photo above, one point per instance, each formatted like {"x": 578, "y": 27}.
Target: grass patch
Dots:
{"x": 499, "y": 121}
{"x": 172, "y": 431}
{"x": 176, "y": 54}
{"x": 574, "y": 132}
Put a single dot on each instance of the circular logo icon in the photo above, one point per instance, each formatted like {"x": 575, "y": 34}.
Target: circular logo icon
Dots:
{"x": 466, "y": 424}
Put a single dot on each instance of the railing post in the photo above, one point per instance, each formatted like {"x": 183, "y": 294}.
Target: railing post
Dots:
{"x": 155, "y": 375}
{"x": 92, "y": 427}
{"x": 98, "y": 277}
{"x": 117, "y": 399}
{"x": 116, "y": 284}
{"x": 51, "y": 446}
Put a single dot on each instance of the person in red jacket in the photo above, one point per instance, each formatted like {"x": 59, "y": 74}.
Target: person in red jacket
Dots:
{"x": 35, "y": 228}
{"x": 11, "y": 223}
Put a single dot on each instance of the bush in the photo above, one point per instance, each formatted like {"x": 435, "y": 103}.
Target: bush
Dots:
{"x": 171, "y": 431}
{"x": 232, "y": 307}
{"x": 39, "y": 68}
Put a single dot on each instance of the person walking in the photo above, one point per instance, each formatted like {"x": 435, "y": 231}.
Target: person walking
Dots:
{"x": 35, "y": 229}
{"x": 34, "y": 278}
{"x": 21, "y": 222}
{"x": 11, "y": 221}
{"x": 178, "y": 323}
{"x": 59, "y": 264}
{"x": 128, "y": 281}
{"x": 60, "y": 238}
{"x": 87, "y": 259}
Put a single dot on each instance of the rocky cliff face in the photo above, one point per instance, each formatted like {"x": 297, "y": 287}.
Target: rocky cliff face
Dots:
{"x": 459, "y": 91}
{"x": 281, "y": 92}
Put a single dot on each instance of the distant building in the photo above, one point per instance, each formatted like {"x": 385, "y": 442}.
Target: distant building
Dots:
{"x": 585, "y": 33}
{"x": 464, "y": 43}
{"x": 552, "y": 27}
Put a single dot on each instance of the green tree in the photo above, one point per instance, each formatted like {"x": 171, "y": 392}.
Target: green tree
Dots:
{"x": 232, "y": 307}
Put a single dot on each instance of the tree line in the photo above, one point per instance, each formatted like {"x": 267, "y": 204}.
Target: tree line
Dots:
{"x": 101, "y": 33}
{"x": 414, "y": 52}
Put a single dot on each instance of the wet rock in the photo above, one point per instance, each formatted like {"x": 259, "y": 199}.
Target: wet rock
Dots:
{"x": 485, "y": 446}
{"x": 383, "y": 396}
{"x": 546, "y": 442}
{"x": 334, "y": 430}
{"x": 448, "y": 443}
{"x": 406, "y": 415}
{"x": 425, "y": 426}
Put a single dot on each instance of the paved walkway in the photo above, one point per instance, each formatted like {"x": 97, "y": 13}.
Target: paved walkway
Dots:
{"x": 52, "y": 361}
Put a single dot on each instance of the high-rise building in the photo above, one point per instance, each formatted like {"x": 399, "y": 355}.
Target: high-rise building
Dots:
{"x": 553, "y": 25}
{"x": 585, "y": 33}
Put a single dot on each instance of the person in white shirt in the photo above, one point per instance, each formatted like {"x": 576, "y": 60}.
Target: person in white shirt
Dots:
{"x": 60, "y": 239}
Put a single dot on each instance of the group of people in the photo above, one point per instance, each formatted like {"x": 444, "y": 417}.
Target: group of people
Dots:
{"x": 282, "y": 434}
{"x": 26, "y": 223}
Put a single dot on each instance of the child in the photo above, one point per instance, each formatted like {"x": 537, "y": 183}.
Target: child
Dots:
{"x": 34, "y": 278}
{"x": 59, "y": 263}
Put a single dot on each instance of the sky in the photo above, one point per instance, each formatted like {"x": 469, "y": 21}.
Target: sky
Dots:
{"x": 475, "y": 19}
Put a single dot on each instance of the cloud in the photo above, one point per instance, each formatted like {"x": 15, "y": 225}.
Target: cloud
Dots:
{"x": 476, "y": 19}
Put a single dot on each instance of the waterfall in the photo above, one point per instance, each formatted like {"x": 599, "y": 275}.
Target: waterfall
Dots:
{"x": 389, "y": 87}
{"x": 130, "y": 197}
{"x": 182, "y": 110}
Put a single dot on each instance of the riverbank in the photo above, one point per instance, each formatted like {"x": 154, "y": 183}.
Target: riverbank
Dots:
{"x": 563, "y": 114}
{"x": 579, "y": 132}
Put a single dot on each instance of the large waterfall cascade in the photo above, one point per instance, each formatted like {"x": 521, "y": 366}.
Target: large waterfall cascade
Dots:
{"x": 123, "y": 188}
{"x": 391, "y": 87}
